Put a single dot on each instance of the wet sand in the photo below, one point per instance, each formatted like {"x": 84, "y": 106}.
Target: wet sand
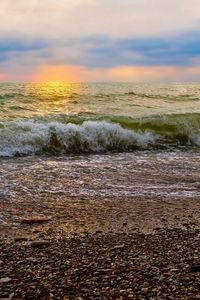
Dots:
{"x": 67, "y": 217}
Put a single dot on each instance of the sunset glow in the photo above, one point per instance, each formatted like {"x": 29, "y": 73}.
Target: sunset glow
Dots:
{"x": 55, "y": 74}
{"x": 93, "y": 40}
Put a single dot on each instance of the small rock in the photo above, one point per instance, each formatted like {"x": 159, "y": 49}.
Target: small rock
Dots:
{"x": 33, "y": 287}
{"x": 195, "y": 268}
{"x": 122, "y": 291}
{"x": 38, "y": 243}
{"x": 103, "y": 270}
{"x": 30, "y": 259}
{"x": 34, "y": 220}
{"x": 11, "y": 296}
{"x": 20, "y": 239}
{"x": 5, "y": 280}
{"x": 47, "y": 286}
{"x": 145, "y": 290}
{"x": 119, "y": 247}
{"x": 30, "y": 272}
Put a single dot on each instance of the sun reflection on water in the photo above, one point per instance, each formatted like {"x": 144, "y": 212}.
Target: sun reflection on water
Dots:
{"x": 53, "y": 97}
{"x": 54, "y": 90}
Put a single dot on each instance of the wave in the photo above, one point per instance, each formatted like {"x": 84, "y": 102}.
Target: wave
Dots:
{"x": 11, "y": 95}
{"x": 87, "y": 133}
{"x": 167, "y": 98}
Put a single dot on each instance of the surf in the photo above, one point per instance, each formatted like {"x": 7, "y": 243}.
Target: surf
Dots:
{"x": 90, "y": 133}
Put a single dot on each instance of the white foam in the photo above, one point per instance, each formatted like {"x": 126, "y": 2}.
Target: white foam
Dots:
{"x": 27, "y": 137}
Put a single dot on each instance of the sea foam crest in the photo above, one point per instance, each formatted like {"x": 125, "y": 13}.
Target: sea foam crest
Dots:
{"x": 28, "y": 138}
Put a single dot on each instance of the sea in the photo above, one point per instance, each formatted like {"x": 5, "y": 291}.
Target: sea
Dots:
{"x": 99, "y": 140}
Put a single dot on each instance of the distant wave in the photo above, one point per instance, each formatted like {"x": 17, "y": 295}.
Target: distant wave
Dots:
{"x": 11, "y": 95}
{"x": 168, "y": 98}
{"x": 81, "y": 134}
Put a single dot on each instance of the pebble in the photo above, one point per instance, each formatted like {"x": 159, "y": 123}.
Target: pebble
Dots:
{"x": 11, "y": 296}
{"x": 30, "y": 272}
{"x": 104, "y": 270}
{"x": 20, "y": 239}
{"x": 119, "y": 247}
{"x": 38, "y": 243}
{"x": 122, "y": 291}
{"x": 5, "y": 280}
{"x": 144, "y": 290}
{"x": 34, "y": 220}
{"x": 195, "y": 268}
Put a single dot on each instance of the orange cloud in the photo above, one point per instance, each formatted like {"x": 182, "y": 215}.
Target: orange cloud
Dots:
{"x": 126, "y": 73}
{"x": 63, "y": 73}
{"x": 74, "y": 73}
{"x": 2, "y": 76}
{"x": 142, "y": 74}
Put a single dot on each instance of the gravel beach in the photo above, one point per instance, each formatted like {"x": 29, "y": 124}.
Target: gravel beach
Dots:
{"x": 72, "y": 256}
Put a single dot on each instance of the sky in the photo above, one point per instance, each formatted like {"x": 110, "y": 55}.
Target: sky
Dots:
{"x": 100, "y": 40}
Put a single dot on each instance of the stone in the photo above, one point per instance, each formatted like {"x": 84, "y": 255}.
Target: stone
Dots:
{"x": 37, "y": 220}
{"x": 5, "y": 280}
{"x": 11, "y": 296}
{"x": 195, "y": 268}
{"x": 38, "y": 243}
{"x": 119, "y": 247}
{"x": 20, "y": 239}
{"x": 104, "y": 270}
{"x": 30, "y": 272}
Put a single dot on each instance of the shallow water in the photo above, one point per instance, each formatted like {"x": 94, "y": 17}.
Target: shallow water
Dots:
{"x": 151, "y": 174}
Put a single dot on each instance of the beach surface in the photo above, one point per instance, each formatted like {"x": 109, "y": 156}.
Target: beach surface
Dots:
{"x": 113, "y": 237}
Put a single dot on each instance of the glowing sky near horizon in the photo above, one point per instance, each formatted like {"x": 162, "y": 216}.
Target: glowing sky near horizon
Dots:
{"x": 100, "y": 40}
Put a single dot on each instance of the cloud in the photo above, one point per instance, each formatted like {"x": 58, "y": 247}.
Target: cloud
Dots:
{"x": 119, "y": 36}
{"x": 14, "y": 44}
{"x": 119, "y": 18}
{"x": 102, "y": 51}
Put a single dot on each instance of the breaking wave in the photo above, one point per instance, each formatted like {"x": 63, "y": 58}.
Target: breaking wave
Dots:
{"x": 97, "y": 134}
